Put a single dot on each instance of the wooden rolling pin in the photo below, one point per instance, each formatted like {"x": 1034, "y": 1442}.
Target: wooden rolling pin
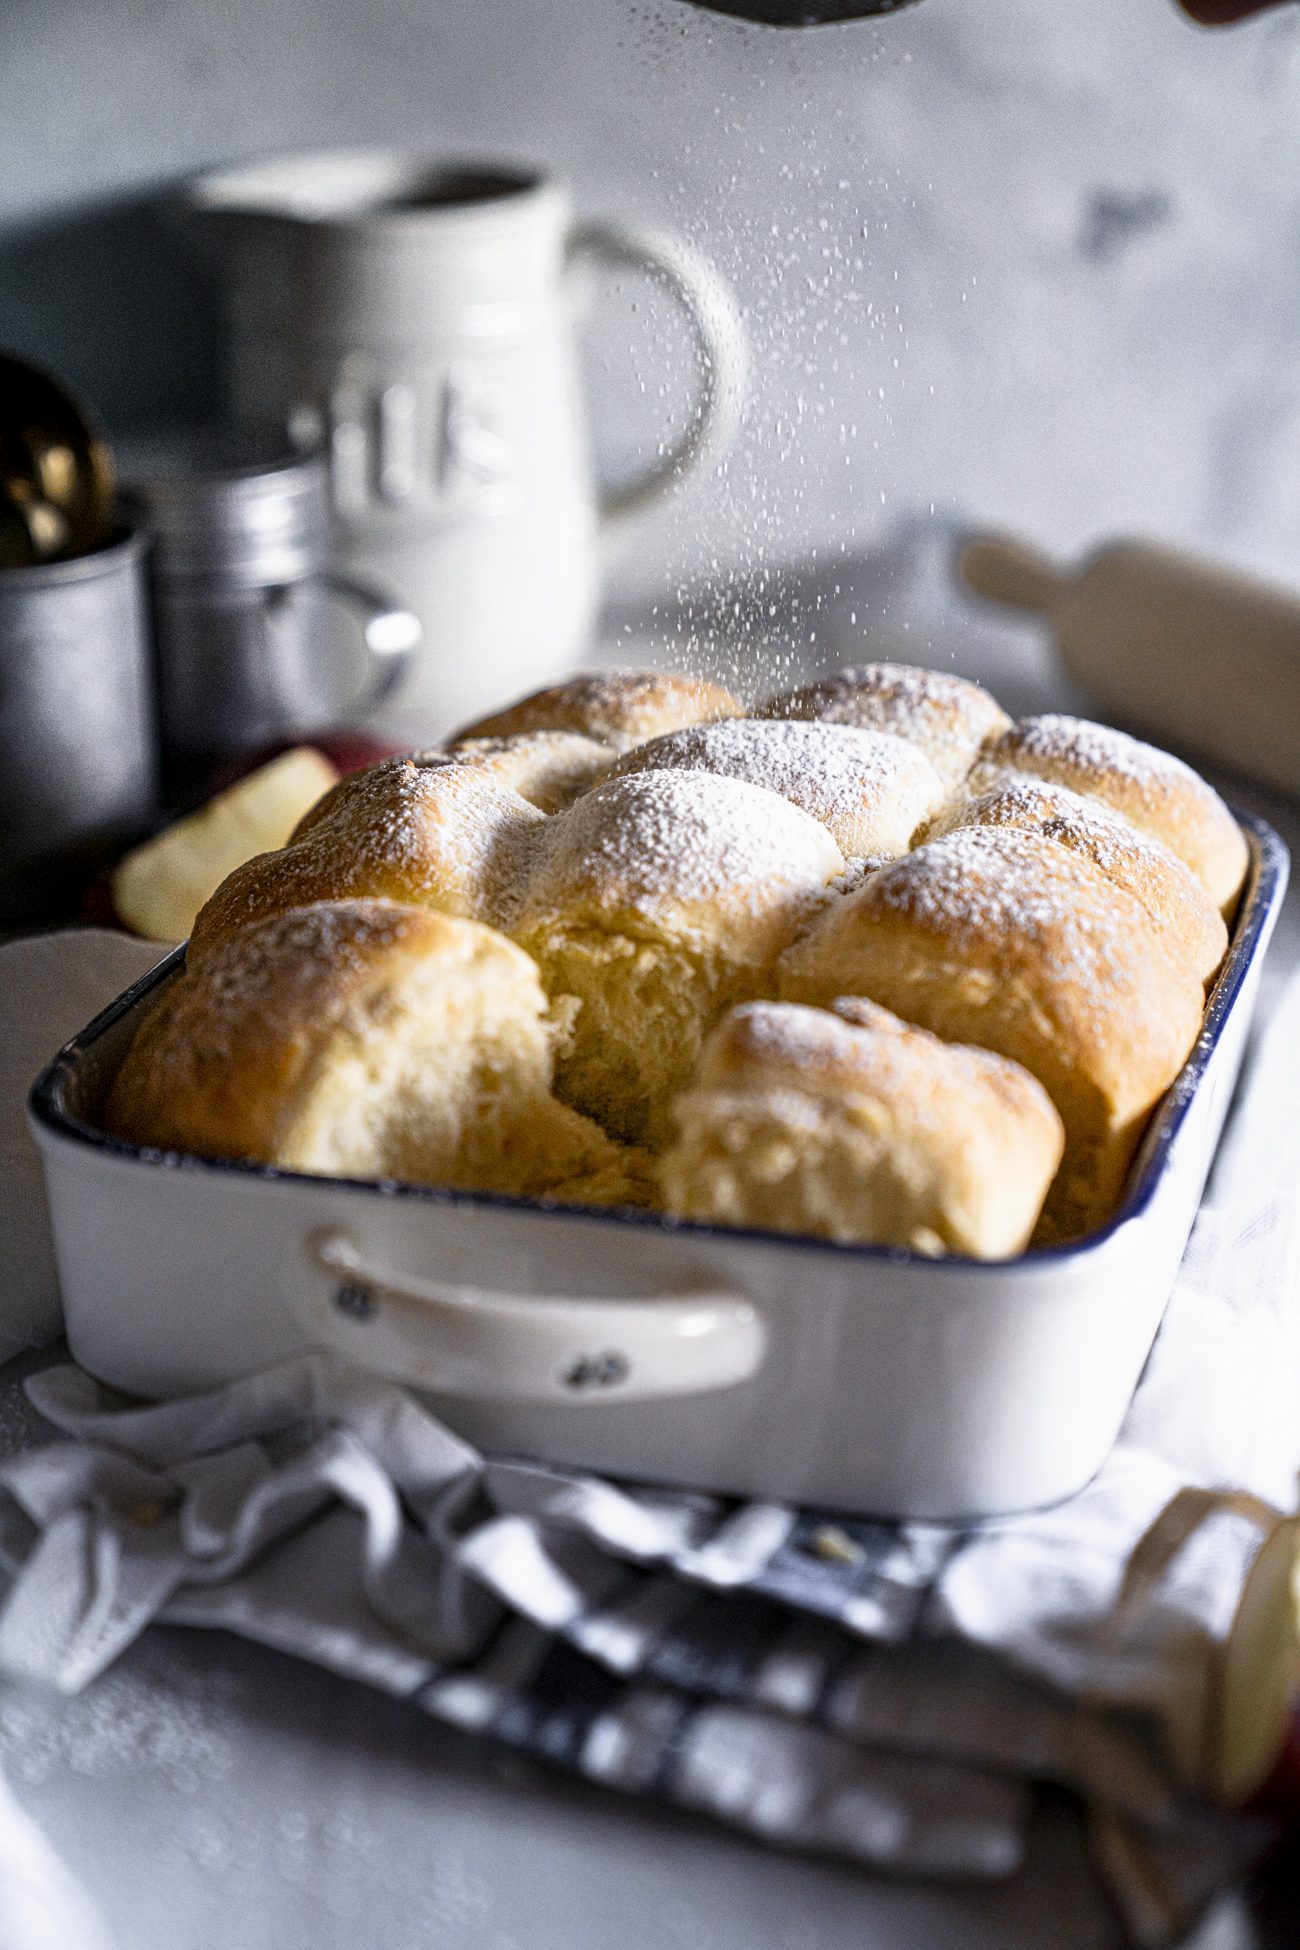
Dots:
{"x": 1199, "y": 655}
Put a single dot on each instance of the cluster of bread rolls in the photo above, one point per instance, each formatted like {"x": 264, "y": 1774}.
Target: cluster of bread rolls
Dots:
{"x": 871, "y": 962}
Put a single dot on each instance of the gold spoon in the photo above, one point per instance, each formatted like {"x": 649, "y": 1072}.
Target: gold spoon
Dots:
{"x": 56, "y": 477}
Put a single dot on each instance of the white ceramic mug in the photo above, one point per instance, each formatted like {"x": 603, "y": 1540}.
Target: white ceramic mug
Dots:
{"x": 418, "y": 321}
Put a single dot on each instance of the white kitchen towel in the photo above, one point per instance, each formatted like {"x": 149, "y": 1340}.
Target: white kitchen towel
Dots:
{"x": 804, "y": 1677}
{"x": 894, "y": 1694}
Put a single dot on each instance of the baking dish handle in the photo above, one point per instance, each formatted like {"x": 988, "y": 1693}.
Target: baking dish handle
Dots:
{"x": 464, "y": 1340}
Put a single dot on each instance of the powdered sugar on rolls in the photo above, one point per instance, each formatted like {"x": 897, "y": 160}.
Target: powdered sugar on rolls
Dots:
{"x": 658, "y": 900}
{"x": 999, "y": 938}
{"x": 618, "y": 708}
{"x": 870, "y": 790}
{"x": 445, "y": 837}
{"x": 946, "y": 717}
{"x": 548, "y": 768}
{"x": 1154, "y": 791}
{"x": 1171, "y": 896}
{"x": 1023, "y": 917}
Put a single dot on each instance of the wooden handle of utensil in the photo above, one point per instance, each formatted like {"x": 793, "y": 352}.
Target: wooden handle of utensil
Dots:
{"x": 1200, "y": 654}
{"x": 1008, "y": 571}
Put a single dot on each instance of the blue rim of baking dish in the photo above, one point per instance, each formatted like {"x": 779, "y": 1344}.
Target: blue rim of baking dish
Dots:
{"x": 1261, "y": 899}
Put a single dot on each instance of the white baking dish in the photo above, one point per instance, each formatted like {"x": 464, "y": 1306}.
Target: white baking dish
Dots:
{"x": 852, "y": 1377}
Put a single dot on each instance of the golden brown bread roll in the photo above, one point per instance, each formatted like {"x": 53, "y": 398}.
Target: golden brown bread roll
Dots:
{"x": 658, "y": 900}
{"x": 1001, "y": 938}
{"x": 857, "y": 1126}
{"x": 947, "y": 717}
{"x": 1171, "y": 896}
{"x": 1062, "y": 925}
{"x": 617, "y": 707}
{"x": 1154, "y": 791}
{"x": 548, "y": 768}
{"x": 446, "y": 837}
{"x": 870, "y": 790}
{"x": 363, "y": 1039}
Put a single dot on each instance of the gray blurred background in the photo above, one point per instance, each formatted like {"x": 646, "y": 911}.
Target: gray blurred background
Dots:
{"x": 1035, "y": 262}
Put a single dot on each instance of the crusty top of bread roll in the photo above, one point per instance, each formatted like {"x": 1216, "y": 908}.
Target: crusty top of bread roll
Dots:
{"x": 657, "y": 901}
{"x": 655, "y": 852}
{"x": 1153, "y": 790}
{"x": 366, "y": 1039}
{"x": 856, "y": 1045}
{"x": 548, "y": 768}
{"x": 224, "y": 1062}
{"x": 1173, "y": 898}
{"x": 870, "y": 790}
{"x": 439, "y": 836}
{"x": 617, "y": 707}
{"x": 998, "y": 937}
{"x": 1006, "y": 908}
{"x": 948, "y": 717}
{"x": 930, "y": 1144}
{"x": 683, "y": 855}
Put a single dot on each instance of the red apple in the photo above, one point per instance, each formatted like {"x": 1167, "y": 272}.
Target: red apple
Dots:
{"x": 352, "y": 751}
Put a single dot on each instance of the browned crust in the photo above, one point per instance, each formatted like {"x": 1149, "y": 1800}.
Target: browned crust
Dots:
{"x": 1153, "y": 790}
{"x": 447, "y": 837}
{"x": 216, "y": 1067}
{"x": 1171, "y": 896}
{"x": 548, "y": 768}
{"x": 1003, "y": 939}
{"x": 949, "y": 717}
{"x": 931, "y": 1144}
{"x": 857, "y": 1046}
{"x": 619, "y": 708}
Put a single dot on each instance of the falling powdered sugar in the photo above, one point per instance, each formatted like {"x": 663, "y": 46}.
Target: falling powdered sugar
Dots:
{"x": 756, "y": 153}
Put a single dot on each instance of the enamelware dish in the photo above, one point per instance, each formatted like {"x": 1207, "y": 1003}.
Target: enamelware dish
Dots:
{"x": 854, "y": 1377}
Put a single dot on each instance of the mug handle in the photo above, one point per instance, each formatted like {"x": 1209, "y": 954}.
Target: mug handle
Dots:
{"x": 391, "y": 635}
{"x": 721, "y": 352}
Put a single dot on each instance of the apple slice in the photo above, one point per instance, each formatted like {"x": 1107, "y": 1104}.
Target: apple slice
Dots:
{"x": 348, "y": 748}
{"x": 1257, "y": 1762}
{"x": 159, "y": 887}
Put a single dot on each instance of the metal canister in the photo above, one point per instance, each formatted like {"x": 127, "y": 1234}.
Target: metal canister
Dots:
{"x": 76, "y": 731}
{"x": 244, "y": 652}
